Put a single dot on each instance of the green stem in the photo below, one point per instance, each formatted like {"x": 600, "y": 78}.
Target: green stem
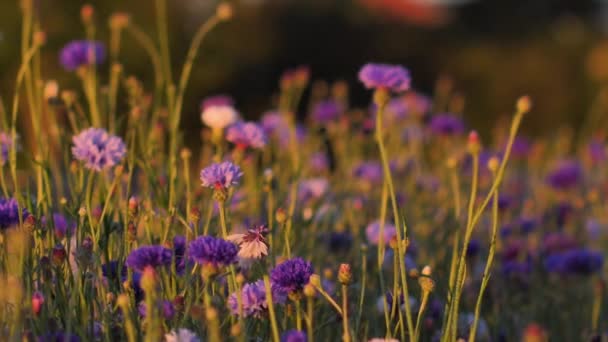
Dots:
{"x": 273, "y": 318}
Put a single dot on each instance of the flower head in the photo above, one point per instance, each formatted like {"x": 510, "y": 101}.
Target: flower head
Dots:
{"x": 291, "y": 276}
{"x": 294, "y": 336}
{"x": 218, "y": 115}
{"x": 369, "y": 171}
{"x": 9, "y": 212}
{"x": 6, "y": 143}
{"x": 82, "y": 52}
{"x": 98, "y": 149}
{"x": 181, "y": 335}
{"x": 578, "y": 261}
{"x": 221, "y": 175}
{"x": 208, "y": 250}
{"x": 566, "y": 175}
{"x": 58, "y": 336}
{"x": 253, "y": 297}
{"x": 313, "y": 188}
{"x": 149, "y": 256}
{"x": 372, "y": 232}
{"x": 60, "y": 224}
{"x": 252, "y": 245}
{"x": 391, "y": 77}
{"x": 326, "y": 111}
{"x": 246, "y": 134}
{"x": 446, "y": 125}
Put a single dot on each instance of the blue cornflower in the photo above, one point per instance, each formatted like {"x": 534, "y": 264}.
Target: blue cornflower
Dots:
{"x": 246, "y": 134}
{"x": 81, "y": 52}
{"x": 294, "y": 336}
{"x": 98, "y": 149}
{"x": 383, "y": 76}
{"x": 208, "y": 250}
{"x": 58, "y": 336}
{"x": 149, "y": 256}
{"x": 566, "y": 175}
{"x": 179, "y": 250}
{"x": 577, "y": 261}
{"x": 253, "y": 296}
{"x": 326, "y": 111}
{"x": 446, "y": 124}
{"x": 221, "y": 176}
{"x": 312, "y": 188}
{"x": 290, "y": 276}
{"x": 9, "y": 212}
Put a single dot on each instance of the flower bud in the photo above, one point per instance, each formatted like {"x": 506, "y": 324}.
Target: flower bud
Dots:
{"x": 345, "y": 275}
{"x": 119, "y": 20}
{"x": 224, "y": 11}
{"x": 148, "y": 279}
{"x": 427, "y": 270}
{"x": 86, "y": 13}
{"x": 315, "y": 280}
{"x": 309, "y": 290}
{"x": 524, "y": 104}
{"x": 473, "y": 144}
{"x": 37, "y": 302}
{"x": 493, "y": 164}
{"x": 58, "y": 254}
{"x": 281, "y": 216}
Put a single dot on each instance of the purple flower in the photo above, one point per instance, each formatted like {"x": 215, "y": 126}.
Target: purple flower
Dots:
{"x": 98, "y": 149}
{"x": 294, "y": 336}
{"x": 566, "y": 175}
{"x": 247, "y": 134}
{"x": 313, "y": 188}
{"x": 326, "y": 111}
{"x": 369, "y": 171}
{"x": 166, "y": 308}
{"x": 221, "y": 175}
{"x": 207, "y": 250}
{"x": 253, "y": 296}
{"x": 179, "y": 250}
{"x": 291, "y": 276}
{"x": 520, "y": 148}
{"x": 217, "y": 101}
{"x": 5, "y": 146}
{"x": 596, "y": 150}
{"x": 81, "y": 52}
{"x": 446, "y": 124}
{"x": 60, "y": 224}
{"x": 384, "y": 76}
{"x": 58, "y": 336}
{"x": 273, "y": 122}
{"x": 578, "y": 261}
{"x": 149, "y": 256}
{"x": 319, "y": 162}
{"x": 9, "y": 213}
{"x": 372, "y": 232}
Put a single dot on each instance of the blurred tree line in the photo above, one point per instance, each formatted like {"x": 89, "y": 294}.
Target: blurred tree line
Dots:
{"x": 493, "y": 51}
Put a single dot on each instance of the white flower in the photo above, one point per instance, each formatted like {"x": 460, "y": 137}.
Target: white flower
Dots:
{"x": 181, "y": 335}
{"x": 219, "y": 117}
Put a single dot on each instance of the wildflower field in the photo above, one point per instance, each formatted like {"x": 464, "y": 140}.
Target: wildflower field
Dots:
{"x": 319, "y": 221}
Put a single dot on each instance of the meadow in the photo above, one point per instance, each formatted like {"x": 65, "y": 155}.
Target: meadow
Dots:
{"x": 320, "y": 221}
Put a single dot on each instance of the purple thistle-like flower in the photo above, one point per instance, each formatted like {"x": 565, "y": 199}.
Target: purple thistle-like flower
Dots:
{"x": 221, "y": 175}
{"x": 217, "y": 100}
{"x": 82, "y": 52}
{"x": 383, "y": 76}
{"x": 369, "y": 171}
{"x": 5, "y": 146}
{"x": 149, "y": 256}
{"x": 313, "y": 188}
{"x": 9, "y": 213}
{"x": 253, "y": 296}
{"x": 246, "y": 134}
{"x": 291, "y": 276}
{"x": 58, "y": 336}
{"x": 208, "y": 250}
{"x": 98, "y": 149}
{"x": 294, "y": 336}
{"x": 578, "y": 261}
{"x": 446, "y": 124}
{"x": 166, "y": 308}
{"x": 566, "y": 175}
{"x": 326, "y": 111}
{"x": 372, "y": 232}
{"x": 60, "y": 224}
